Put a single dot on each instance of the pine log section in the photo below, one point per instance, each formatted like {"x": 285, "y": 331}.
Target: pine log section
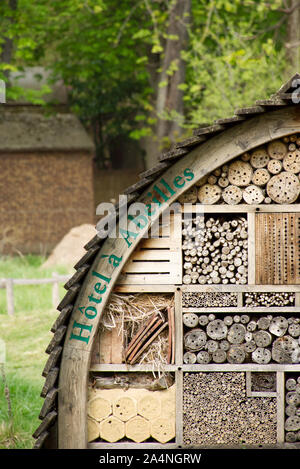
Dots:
{"x": 277, "y": 248}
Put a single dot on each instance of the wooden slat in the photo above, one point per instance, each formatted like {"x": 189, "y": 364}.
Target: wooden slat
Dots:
{"x": 147, "y": 267}
{"x": 77, "y": 277}
{"x": 62, "y": 318}
{"x": 157, "y": 256}
{"x": 116, "y": 344}
{"x": 48, "y": 403}
{"x": 46, "y": 423}
{"x": 52, "y": 360}
{"x": 69, "y": 296}
{"x": 280, "y": 406}
{"x": 56, "y": 339}
{"x": 40, "y": 440}
{"x": 50, "y": 381}
{"x": 105, "y": 346}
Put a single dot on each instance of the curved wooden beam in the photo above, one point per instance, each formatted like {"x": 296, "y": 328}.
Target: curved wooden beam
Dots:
{"x": 104, "y": 272}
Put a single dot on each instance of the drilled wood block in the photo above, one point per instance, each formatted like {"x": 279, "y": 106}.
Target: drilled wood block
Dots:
{"x": 277, "y": 248}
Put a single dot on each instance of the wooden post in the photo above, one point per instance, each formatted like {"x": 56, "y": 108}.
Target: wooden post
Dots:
{"x": 251, "y": 249}
{"x": 55, "y": 291}
{"x": 10, "y": 296}
{"x": 280, "y": 407}
{"x": 179, "y": 406}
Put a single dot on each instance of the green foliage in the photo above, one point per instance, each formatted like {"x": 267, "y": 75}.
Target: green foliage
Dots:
{"x": 110, "y": 54}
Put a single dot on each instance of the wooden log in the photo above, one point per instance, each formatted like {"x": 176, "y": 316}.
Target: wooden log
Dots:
{"x": 261, "y": 355}
{"x": 260, "y": 177}
{"x": 232, "y": 195}
{"x": 236, "y": 334}
{"x": 277, "y": 149}
{"x": 278, "y": 326}
{"x": 209, "y": 194}
{"x": 203, "y": 357}
{"x": 240, "y": 173}
{"x": 286, "y": 350}
{"x": 262, "y": 338}
{"x": 217, "y": 329}
{"x": 190, "y": 319}
{"x": 236, "y": 354}
{"x": 195, "y": 340}
{"x": 253, "y": 195}
{"x": 189, "y": 358}
{"x": 284, "y": 188}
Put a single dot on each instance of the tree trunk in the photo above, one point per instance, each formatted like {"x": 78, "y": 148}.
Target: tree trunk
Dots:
{"x": 7, "y": 47}
{"x": 293, "y": 38}
{"x": 169, "y": 97}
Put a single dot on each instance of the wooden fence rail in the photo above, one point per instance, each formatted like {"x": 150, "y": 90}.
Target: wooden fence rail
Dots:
{"x": 8, "y": 284}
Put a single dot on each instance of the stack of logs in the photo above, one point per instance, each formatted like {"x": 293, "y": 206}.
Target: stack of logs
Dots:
{"x": 254, "y": 178}
{"x": 292, "y": 410}
{"x": 254, "y": 299}
{"x": 215, "y": 251}
{"x": 216, "y": 411}
{"x": 238, "y": 338}
{"x": 209, "y": 300}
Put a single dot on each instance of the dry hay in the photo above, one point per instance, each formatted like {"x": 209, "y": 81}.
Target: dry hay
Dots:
{"x": 131, "y": 312}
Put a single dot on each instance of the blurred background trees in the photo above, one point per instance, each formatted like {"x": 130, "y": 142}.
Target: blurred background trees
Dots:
{"x": 150, "y": 70}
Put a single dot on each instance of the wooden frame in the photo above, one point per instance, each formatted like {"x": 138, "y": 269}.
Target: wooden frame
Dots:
{"x": 114, "y": 253}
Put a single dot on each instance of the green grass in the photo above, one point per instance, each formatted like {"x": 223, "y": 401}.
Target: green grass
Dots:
{"x": 27, "y": 297}
{"x": 26, "y": 336}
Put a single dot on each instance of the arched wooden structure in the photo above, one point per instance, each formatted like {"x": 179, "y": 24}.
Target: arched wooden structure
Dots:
{"x": 270, "y": 211}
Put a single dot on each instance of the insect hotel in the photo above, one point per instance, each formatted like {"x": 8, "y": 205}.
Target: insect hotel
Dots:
{"x": 183, "y": 330}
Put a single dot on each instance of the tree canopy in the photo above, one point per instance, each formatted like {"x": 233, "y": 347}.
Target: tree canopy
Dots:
{"x": 131, "y": 66}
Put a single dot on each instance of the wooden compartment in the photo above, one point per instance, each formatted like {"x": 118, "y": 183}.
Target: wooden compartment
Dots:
{"x": 277, "y": 248}
{"x": 157, "y": 260}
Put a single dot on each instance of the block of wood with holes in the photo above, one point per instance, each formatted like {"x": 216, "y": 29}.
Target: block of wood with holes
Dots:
{"x": 277, "y": 248}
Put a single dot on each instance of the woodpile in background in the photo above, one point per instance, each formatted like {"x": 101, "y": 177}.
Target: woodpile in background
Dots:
{"x": 268, "y": 174}
{"x": 279, "y": 299}
{"x": 215, "y": 250}
{"x": 292, "y": 408}
{"x": 134, "y": 414}
{"x": 209, "y": 300}
{"x": 240, "y": 338}
{"x": 216, "y": 411}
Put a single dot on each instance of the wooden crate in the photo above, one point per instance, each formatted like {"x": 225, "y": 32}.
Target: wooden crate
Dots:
{"x": 277, "y": 248}
{"x": 157, "y": 260}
